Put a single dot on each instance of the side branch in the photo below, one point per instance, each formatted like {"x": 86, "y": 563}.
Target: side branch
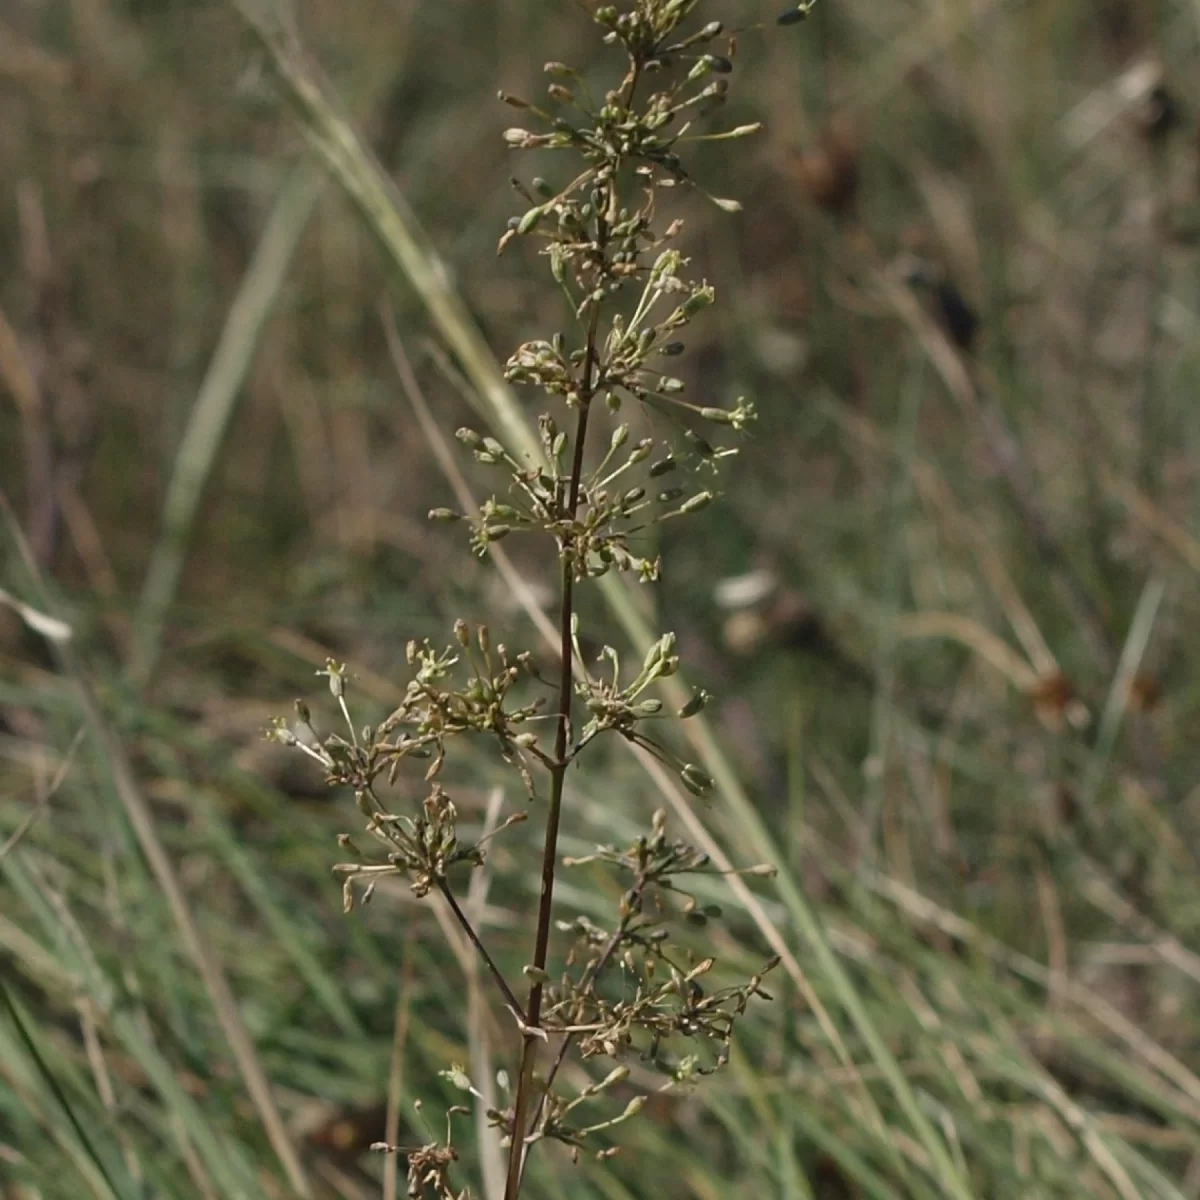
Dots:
{"x": 469, "y": 929}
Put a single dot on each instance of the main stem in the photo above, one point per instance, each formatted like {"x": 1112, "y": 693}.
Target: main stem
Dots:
{"x": 516, "y": 1151}
{"x": 558, "y": 777}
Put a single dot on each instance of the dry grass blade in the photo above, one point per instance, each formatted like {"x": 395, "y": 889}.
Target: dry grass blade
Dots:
{"x": 214, "y": 409}
{"x": 335, "y": 141}
{"x": 14, "y": 370}
{"x": 1154, "y": 519}
{"x": 1140, "y": 629}
{"x": 1161, "y": 944}
{"x": 44, "y": 797}
{"x": 969, "y": 633}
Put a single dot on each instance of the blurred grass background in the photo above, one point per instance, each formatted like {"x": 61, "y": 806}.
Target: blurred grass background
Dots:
{"x": 963, "y": 294}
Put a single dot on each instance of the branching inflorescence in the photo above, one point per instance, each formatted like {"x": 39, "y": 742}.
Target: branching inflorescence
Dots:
{"x": 626, "y": 988}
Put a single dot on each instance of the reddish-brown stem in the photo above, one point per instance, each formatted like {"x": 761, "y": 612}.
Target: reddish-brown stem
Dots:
{"x": 516, "y": 1153}
{"x": 489, "y": 962}
{"x": 557, "y": 780}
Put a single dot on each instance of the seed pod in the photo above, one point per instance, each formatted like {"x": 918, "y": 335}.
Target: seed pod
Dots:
{"x": 696, "y": 503}
{"x": 660, "y": 650}
{"x": 699, "y": 300}
{"x": 337, "y": 685}
{"x": 793, "y": 15}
